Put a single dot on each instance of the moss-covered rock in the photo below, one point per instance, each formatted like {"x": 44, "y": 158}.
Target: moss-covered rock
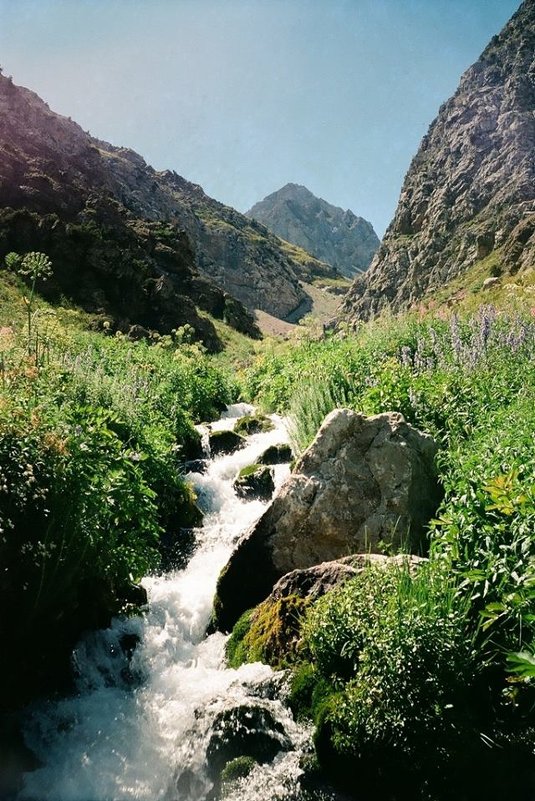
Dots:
{"x": 222, "y": 442}
{"x": 238, "y": 768}
{"x": 253, "y": 424}
{"x": 247, "y": 730}
{"x": 276, "y": 454}
{"x": 270, "y": 633}
{"x": 255, "y": 481}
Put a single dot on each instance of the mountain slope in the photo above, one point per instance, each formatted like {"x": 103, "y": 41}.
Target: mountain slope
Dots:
{"x": 469, "y": 195}
{"x": 146, "y": 247}
{"x": 329, "y": 233}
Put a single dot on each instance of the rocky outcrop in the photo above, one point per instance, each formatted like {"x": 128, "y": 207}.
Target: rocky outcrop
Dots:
{"x": 121, "y": 219}
{"x": 363, "y": 482}
{"x": 469, "y": 196}
{"x": 126, "y": 261}
{"x": 313, "y": 582}
{"x": 329, "y": 233}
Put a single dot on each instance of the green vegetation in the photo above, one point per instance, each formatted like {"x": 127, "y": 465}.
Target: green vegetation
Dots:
{"x": 428, "y": 678}
{"x": 269, "y": 633}
{"x": 93, "y": 433}
{"x": 249, "y": 470}
{"x": 238, "y": 768}
{"x": 429, "y": 672}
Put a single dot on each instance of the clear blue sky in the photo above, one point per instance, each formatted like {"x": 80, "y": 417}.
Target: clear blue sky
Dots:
{"x": 243, "y": 96}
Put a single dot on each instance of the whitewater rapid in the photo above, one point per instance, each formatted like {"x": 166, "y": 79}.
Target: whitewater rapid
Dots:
{"x": 136, "y": 725}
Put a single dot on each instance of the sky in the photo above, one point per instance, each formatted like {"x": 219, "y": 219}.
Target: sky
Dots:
{"x": 244, "y": 96}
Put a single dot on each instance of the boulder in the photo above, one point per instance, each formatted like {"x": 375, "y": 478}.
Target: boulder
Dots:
{"x": 313, "y": 582}
{"x": 253, "y": 424}
{"x": 272, "y": 633}
{"x": 365, "y": 482}
{"x": 222, "y": 442}
{"x": 255, "y": 482}
{"x": 276, "y": 454}
{"x": 196, "y": 466}
{"x": 247, "y": 730}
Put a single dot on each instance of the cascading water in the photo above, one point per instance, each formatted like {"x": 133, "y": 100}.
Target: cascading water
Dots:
{"x": 142, "y": 722}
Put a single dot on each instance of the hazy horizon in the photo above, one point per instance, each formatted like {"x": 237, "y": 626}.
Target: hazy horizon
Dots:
{"x": 244, "y": 96}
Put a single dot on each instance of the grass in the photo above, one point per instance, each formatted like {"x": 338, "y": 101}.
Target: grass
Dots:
{"x": 417, "y": 672}
{"x": 93, "y": 432}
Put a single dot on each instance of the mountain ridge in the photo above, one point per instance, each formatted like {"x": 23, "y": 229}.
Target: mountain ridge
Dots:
{"x": 144, "y": 246}
{"x": 334, "y": 235}
{"x": 468, "y": 198}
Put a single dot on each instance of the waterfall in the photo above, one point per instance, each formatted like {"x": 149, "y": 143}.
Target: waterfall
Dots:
{"x": 149, "y": 688}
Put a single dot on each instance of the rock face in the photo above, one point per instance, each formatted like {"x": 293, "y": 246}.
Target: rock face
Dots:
{"x": 364, "y": 481}
{"x": 142, "y": 246}
{"x": 114, "y": 232}
{"x": 469, "y": 196}
{"x": 329, "y": 233}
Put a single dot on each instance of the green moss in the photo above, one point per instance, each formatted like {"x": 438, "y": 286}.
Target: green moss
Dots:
{"x": 238, "y": 768}
{"x": 269, "y": 633}
{"x": 236, "y": 650}
{"x": 249, "y": 470}
{"x": 310, "y": 693}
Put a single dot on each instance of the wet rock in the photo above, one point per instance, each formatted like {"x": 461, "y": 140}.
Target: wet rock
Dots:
{"x": 222, "y": 442}
{"x": 196, "y": 466}
{"x": 245, "y": 730}
{"x": 238, "y": 768}
{"x": 363, "y": 482}
{"x": 253, "y": 424}
{"x": 276, "y": 454}
{"x": 192, "y": 448}
{"x": 135, "y": 594}
{"x": 15, "y": 757}
{"x": 176, "y": 549}
{"x": 255, "y": 482}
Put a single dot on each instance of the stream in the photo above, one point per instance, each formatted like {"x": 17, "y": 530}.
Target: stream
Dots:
{"x": 143, "y": 718}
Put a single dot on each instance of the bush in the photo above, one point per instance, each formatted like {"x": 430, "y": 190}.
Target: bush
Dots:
{"x": 93, "y": 432}
{"x": 401, "y": 660}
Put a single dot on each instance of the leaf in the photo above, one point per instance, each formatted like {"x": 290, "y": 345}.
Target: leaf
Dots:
{"x": 522, "y": 664}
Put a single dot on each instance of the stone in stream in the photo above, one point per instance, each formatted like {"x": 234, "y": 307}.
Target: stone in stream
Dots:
{"x": 255, "y": 482}
{"x": 364, "y": 482}
{"x": 246, "y": 730}
{"x": 222, "y": 442}
{"x": 253, "y": 424}
{"x": 196, "y": 466}
{"x": 276, "y": 454}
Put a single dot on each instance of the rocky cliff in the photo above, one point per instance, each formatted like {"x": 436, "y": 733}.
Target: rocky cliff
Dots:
{"x": 331, "y": 234}
{"x": 146, "y": 247}
{"x": 468, "y": 199}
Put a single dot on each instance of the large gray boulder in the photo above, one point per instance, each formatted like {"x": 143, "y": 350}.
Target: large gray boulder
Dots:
{"x": 365, "y": 482}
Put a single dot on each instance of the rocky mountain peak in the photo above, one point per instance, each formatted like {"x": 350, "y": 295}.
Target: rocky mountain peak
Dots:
{"x": 329, "y": 233}
{"x": 468, "y": 199}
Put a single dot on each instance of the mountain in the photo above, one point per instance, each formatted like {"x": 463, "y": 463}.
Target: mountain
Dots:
{"x": 144, "y": 247}
{"x": 468, "y": 200}
{"x": 329, "y": 233}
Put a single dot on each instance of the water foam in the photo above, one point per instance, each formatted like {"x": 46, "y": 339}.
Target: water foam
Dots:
{"x": 136, "y": 725}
